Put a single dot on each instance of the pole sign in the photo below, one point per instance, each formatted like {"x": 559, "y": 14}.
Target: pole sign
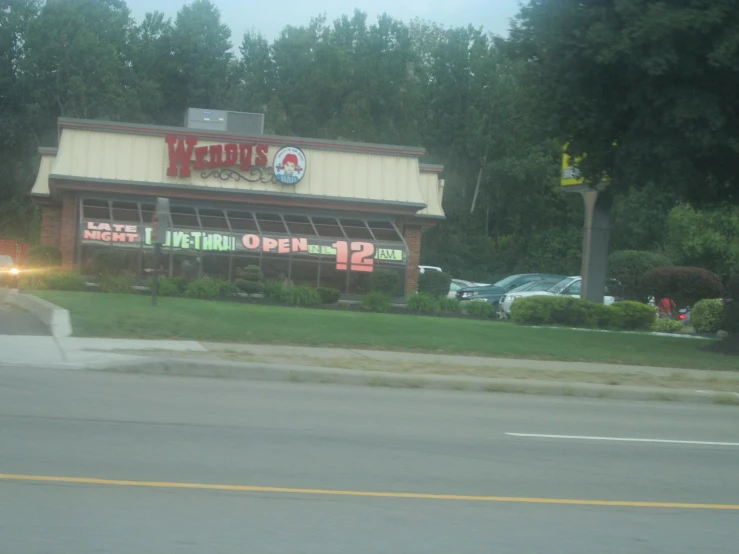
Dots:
{"x": 160, "y": 221}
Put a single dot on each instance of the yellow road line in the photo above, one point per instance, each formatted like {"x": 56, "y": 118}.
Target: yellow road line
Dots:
{"x": 329, "y": 492}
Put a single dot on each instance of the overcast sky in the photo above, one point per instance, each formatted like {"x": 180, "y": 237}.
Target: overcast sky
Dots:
{"x": 270, "y": 18}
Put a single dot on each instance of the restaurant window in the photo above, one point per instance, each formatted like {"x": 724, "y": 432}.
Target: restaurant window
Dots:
{"x": 242, "y": 221}
{"x": 147, "y": 212}
{"x": 299, "y": 225}
{"x": 147, "y": 264}
{"x": 332, "y": 278}
{"x": 359, "y": 283}
{"x": 240, "y": 263}
{"x": 183, "y": 216}
{"x": 271, "y": 223}
{"x": 400, "y": 271}
{"x": 356, "y": 229}
{"x": 95, "y": 209}
{"x": 126, "y": 211}
{"x": 186, "y": 265}
{"x": 276, "y": 268}
{"x": 304, "y": 272}
{"x": 327, "y": 227}
{"x": 216, "y": 266}
{"x": 213, "y": 219}
{"x": 384, "y": 231}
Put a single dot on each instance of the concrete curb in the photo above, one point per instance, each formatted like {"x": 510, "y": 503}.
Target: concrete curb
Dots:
{"x": 56, "y": 319}
{"x": 302, "y": 374}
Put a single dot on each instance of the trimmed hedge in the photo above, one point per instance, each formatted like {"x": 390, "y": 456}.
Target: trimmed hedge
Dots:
{"x": 249, "y": 286}
{"x": 450, "y": 306}
{"x": 628, "y": 268}
{"x": 435, "y": 283}
{"x": 43, "y": 256}
{"x": 329, "y": 295}
{"x": 304, "y": 296}
{"x": 684, "y": 285}
{"x": 276, "y": 291}
{"x": 666, "y": 326}
{"x": 478, "y": 309}
{"x": 574, "y": 312}
{"x": 116, "y": 283}
{"x": 422, "y": 303}
{"x": 171, "y": 286}
{"x": 707, "y": 315}
{"x": 210, "y": 289}
{"x": 376, "y": 302}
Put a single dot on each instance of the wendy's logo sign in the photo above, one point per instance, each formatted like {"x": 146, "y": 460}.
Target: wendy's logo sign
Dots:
{"x": 223, "y": 161}
{"x": 289, "y": 165}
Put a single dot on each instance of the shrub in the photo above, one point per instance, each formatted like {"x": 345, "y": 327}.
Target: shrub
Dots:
{"x": 376, "y": 302}
{"x": 628, "y": 268}
{"x": 329, "y": 295}
{"x": 450, "y": 305}
{"x": 385, "y": 281}
{"x": 666, "y": 326}
{"x": 277, "y": 292}
{"x": 210, "y": 289}
{"x": 707, "y": 315}
{"x": 478, "y": 309}
{"x": 559, "y": 310}
{"x": 108, "y": 260}
{"x": 65, "y": 280}
{"x": 171, "y": 286}
{"x": 43, "y": 256}
{"x": 304, "y": 296}
{"x": 435, "y": 283}
{"x": 684, "y": 285}
{"x": 250, "y": 273}
{"x": 249, "y": 287}
{"x": 34, "y": 281}
{"x": 116, "y": 283}
{"x": 635, "y": 316}
{"x": 422, "y": 303}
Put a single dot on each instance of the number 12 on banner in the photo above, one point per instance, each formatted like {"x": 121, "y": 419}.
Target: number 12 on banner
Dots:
{"x": 362, "y": 256}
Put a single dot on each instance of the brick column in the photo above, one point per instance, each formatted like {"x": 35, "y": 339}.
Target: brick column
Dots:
{"x": 412, "y": 236}
{"x": 68, "y": 227}
{"x": 51, "y": 218}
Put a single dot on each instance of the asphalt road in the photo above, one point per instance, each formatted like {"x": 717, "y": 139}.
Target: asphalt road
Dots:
{"x": 281, "y": 451}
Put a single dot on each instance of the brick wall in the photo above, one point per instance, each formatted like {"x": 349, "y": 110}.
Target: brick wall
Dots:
{"x": 68, "y": 228}
{"x": 412, "y": 235}
{"x": 51, "y": 217}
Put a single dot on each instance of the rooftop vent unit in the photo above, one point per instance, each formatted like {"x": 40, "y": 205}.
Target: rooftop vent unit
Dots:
{"x": 237, "y": 123}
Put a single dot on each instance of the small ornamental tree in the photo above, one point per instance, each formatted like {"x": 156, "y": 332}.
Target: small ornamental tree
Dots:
{"x": 684, "y": 285}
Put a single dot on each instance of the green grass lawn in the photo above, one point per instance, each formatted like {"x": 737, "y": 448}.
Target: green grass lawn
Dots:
{"x": 132, "y": 316}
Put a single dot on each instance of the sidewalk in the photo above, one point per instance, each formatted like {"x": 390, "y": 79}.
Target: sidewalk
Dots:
{"x": 369, "y": 368}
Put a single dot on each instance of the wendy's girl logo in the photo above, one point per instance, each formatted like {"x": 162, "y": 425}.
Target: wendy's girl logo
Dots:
{"x": 289, "y": 165}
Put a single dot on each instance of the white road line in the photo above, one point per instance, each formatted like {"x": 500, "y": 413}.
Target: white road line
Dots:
{"x": 620, "y": 439}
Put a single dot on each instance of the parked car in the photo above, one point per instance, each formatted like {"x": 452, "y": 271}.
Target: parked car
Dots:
{"x": 424, "y": 268}
{"x": 457, "y": 284}
{"x": 569, "y": 286}
{"x": 504, "y": 306}
{"x": 492, "y": 293}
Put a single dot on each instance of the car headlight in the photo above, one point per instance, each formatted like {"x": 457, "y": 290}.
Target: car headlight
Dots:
{"x": 14, "y": 271}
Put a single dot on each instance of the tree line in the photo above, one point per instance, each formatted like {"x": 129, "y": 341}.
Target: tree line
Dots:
{"x": 496, "y": 112}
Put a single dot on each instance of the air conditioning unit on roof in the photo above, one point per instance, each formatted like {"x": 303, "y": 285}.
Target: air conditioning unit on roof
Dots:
{"x": 237, "y": 123}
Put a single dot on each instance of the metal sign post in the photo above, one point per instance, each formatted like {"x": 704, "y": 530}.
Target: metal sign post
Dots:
{"x": 160, "y": 224}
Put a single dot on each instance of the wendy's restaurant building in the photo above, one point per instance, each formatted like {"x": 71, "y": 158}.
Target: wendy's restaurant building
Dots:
{"x": 317, "y": 212}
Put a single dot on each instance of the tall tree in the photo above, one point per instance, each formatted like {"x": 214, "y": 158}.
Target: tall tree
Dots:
{"x": 646, "y": 89}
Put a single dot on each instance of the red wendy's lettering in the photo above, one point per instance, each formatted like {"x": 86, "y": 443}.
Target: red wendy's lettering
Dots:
{"x": 181, "y": 151}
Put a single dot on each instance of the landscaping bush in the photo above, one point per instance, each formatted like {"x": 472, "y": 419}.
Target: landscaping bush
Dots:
{"x": 329, "y": 295}
{"x": 435, "y": 283}
{"x": 44, "y": 256}
{"x": 376, "y": 302}
{"x": 304, "y": 296}
{"x": 65, "y": 280}
{"x": 108, "y": 260}
{"x": 422, "y": 303}
{"x": 249, "y": 273}
{"x": 666, "y": 326}
{"x": 574, "y": 312}
{"x": 276, "y": 291}
{"x": 707, "y": 315}
{"x": 385, "y": 281}
{"x": 450, "y": 306}
{"x": 248, "y": 286}
{"x": 34, "y": 281}
{"x": 684, "y": 285}
{"x": 210, "y": 289}
{"x": 478, "y": 309}
{"x": 635, "y": 316}
{"x": 171, "y": 286}
{"x": 628, "y": 268}
{"x": 116, "y": 283}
